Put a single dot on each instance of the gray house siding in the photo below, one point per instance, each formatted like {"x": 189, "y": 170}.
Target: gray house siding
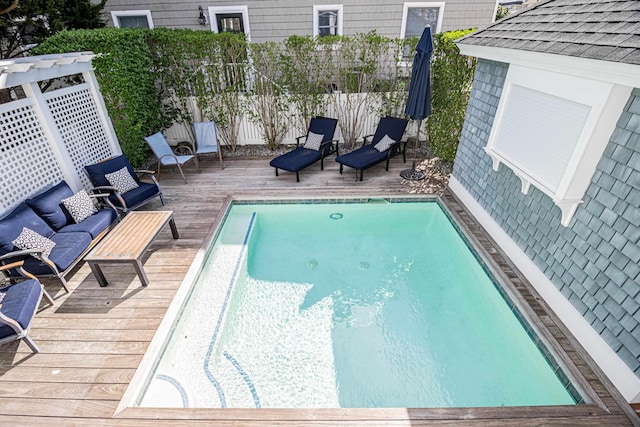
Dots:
{"x": 595, "y": 261}
{"x": 276, "y": 20}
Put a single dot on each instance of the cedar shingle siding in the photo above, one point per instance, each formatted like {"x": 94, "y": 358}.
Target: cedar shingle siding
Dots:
{"x": 595, "y": 261}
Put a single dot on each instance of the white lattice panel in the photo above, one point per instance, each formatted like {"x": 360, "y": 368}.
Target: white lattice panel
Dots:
{"x": 78, "y": 120}
{"x": 26, "y": 159}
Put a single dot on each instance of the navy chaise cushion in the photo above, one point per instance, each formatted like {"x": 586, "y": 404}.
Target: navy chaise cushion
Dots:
{"x": 363, "y": 157}
{"x": 19, "y": 304}
{"x": 296, "y": 160}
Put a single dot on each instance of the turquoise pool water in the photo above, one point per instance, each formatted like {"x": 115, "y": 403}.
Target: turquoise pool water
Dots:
{"x": 348, "y": 305}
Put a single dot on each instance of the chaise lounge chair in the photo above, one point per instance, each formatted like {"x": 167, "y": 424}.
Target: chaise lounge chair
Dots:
{"x": 318, "y": 145}
{"x": 384, "y": 145}
{"x": 124, "y": 198}
{"x": 165, "y": 155}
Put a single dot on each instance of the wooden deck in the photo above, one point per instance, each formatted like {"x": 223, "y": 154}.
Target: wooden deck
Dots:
{"x": 94, "y": 338}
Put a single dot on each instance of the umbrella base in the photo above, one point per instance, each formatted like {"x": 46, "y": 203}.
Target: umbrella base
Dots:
{"x": 412, "y": 174}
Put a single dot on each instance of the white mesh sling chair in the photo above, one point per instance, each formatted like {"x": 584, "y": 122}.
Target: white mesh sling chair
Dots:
{"x": 206, "y": 140}
{"x": 165, "y": 155}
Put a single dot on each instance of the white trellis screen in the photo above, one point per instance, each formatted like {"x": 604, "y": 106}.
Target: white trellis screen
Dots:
{"x": 48, "y": 137}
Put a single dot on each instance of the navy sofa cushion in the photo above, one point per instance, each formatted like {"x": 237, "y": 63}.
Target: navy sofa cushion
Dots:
{"x": 19, "y": 304}
{"x": 97, "y": 171}
{"x": 93, "y": 225}
{"x": 362, "y": 158}
{"x": 68, "y": 248}
{"x": 48, "y": 205}
{"x": 11, "y": 226}
{"x": 145, "y": 191}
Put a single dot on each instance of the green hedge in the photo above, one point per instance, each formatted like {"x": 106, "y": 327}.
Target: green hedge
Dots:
{"x": 138, "y": 69}
{"x": 451, "y": 77}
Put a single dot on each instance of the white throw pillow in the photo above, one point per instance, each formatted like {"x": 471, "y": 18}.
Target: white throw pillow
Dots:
{"x": 313, "y": 141}
{"x": 29, "y": 239}
{"x": 384, "y": 144}
{"x": 122, "y": 180}
{"x": 80, "y": 206}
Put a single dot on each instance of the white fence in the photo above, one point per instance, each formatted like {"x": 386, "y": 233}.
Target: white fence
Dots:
{"x": 250, "y": 132}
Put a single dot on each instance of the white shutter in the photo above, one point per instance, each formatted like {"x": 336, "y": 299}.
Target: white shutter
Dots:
{"x": 539, "y": 133}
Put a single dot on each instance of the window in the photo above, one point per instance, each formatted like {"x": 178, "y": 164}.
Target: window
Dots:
{"x": 230, "y": 19}
{"x": 132, "y": 19}
{"x": 551, "y": 130}
{"x": 416, "y": 16}
{"x": 327, "y": 20}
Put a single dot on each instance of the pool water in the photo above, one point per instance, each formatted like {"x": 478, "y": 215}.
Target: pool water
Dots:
{"x": 348, "y": 305}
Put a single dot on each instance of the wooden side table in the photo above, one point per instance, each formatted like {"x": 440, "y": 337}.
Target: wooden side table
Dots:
{"x": 128, "y": 242}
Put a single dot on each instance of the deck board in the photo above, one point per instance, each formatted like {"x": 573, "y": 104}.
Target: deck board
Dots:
{"x": 94, "y": 338}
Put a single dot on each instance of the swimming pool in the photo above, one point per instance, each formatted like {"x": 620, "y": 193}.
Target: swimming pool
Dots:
{"x": 372, "y": 304}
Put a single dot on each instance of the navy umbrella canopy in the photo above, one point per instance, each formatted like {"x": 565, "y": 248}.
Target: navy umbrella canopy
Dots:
{"x": 419, "y": 97}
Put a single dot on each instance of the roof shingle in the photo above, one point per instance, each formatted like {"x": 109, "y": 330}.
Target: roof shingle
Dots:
{"x": 597, "y": 29}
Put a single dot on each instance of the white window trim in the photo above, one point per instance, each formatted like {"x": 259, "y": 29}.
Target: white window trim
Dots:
{"x": 324, "y": 7}
{"x": 606, "y": 101}
{"x": 244, "y": 10}
{"x": 410, "y": 5}
{"x": 118, "y": 13}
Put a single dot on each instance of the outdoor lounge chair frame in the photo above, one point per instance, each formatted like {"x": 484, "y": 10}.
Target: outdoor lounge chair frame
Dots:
{"x": 97, "y": 179}
{"x": 326, "y": 148}
{"x": 398, "y": 147}
{"x": 19, "y": 331}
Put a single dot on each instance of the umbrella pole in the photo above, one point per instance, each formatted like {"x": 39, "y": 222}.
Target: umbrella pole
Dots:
{"x": 413, "y": 173}
{"x": 415, "y": 146}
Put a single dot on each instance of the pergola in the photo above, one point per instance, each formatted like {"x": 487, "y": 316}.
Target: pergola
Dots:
{"x": 47, "y": 137}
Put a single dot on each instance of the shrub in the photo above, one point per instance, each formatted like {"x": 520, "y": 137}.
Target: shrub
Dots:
{"x": 451, "y": 77}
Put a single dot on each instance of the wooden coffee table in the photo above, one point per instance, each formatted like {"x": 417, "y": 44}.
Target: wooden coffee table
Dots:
{"x": 128, "y": 241}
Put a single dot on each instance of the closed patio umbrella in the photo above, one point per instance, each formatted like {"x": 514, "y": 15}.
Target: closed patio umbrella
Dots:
{"x": 419, "y": 97}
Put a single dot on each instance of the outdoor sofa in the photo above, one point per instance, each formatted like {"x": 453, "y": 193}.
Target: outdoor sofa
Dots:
{"x": 47, "y": 216}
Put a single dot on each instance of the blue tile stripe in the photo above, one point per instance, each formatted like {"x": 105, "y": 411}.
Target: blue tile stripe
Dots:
{"x": 174, "y": 382}
{"x": 214, "y": 338}
{"x": 245, "y": 377}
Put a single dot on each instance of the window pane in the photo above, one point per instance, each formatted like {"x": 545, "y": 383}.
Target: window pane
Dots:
{"x": 133, "y": 21}
{"x": 230, "y": 23}
{"x": 328, "y": 23}
{"x": 420, "y": 17}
